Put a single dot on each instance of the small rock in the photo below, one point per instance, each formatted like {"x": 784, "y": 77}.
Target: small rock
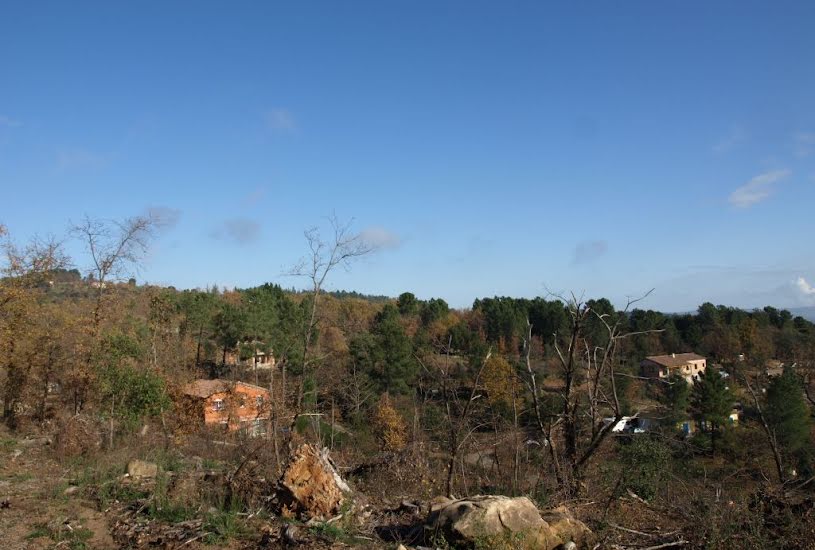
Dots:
{"x": 290, "y": 535}
{"x": 408, "y": 506}
{"x": 70, "y": 490}
{"x": 141, "y": 468}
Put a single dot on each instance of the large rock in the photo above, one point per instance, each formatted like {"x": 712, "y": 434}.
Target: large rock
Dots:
{"x": 311, "y": 485}
{"x": 490, "y": 519}
{"x": 141, "y": 468}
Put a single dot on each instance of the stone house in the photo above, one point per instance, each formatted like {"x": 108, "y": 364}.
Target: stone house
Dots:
{"x": 687, "y": 365}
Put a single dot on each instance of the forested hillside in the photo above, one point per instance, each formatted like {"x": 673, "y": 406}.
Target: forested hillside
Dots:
{"x": 413, "y": 399}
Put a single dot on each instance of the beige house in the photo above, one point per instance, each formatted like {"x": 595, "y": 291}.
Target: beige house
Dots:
{"x": 260, "y": 360}
{"x": 687, "y": 365}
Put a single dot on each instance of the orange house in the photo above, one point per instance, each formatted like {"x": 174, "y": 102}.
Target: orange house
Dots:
{"x": 231, "y": 405}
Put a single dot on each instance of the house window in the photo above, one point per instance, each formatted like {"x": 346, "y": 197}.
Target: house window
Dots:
{"x": 258, "y": 427}
{"x": 242, "y": 401}
{"x": 259, "y": 401}
{"x": 218, "y": 405}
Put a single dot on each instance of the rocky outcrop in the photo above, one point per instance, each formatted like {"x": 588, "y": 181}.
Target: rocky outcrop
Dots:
{"x": 310, "y": 485}
{"x": 490, "y": 519}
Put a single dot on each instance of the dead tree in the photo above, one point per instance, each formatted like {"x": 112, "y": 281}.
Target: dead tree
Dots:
{"x": 116, "y": 249}
{"x": 340, "y": 250}
{"x": 588, "y": 395}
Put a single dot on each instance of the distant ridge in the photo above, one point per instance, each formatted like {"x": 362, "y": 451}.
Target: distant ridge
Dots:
{"x": 807, "y": 313}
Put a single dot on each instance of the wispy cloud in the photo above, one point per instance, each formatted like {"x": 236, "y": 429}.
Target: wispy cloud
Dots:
{"x": 280, "y": 119}
{"x": 8, "y": 122}
{"x": 736, "y": 137}
{"x": 80, "y": 159}
{"x": 804, "y": 287}
{"x": 255, "y": 196}
{"x": 379, "y": 237}
{"x": 804, "y": 144}
{"x": 238, "y": 231}
{"x": 757, "y": 189}
{"x": 588, "y": 251}
{"x": 164, "y": 217}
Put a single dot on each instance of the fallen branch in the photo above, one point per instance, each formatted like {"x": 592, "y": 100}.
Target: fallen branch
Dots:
{"x": 680, "y": 542}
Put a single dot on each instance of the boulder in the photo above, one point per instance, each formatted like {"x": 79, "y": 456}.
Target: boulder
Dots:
{"x": 141, "y": 468}
{"x": 310, "y": 485}
{"x": 489, "y": 518}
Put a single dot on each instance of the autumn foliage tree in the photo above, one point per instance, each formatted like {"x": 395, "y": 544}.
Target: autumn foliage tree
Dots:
{"x": 389, "y": 426}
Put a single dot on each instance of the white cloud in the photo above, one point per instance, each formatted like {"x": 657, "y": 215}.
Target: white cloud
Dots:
{"x": 280, "y": 119}
{"x": 804, "y": 287}
{"x": 757, "y": 189}
{"x": 379, "y": 237}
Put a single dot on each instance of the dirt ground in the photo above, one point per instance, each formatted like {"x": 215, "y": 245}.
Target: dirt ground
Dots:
{"x": 35, "y": 511}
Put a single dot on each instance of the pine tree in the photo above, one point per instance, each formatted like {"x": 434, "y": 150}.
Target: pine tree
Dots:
{"x": 789, "y": 417}
{"x": 712, "y": 403}
{"x": 677, "y": 394}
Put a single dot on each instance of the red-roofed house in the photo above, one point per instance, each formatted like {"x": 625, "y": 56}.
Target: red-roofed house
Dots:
{"x": 231, "y": 405}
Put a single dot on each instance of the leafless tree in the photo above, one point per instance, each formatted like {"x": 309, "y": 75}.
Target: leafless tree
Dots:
{"x": 589, "y": 391}
{"x": 116, "y": 248}
{"x": 325, "y": 254}
{"x": 457, "y": 413}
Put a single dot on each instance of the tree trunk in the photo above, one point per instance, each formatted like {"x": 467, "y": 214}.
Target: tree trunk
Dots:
{"x": 198, "y": 347}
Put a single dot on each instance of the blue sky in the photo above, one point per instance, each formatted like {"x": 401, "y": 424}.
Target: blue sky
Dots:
{"x": 492, "y": 148}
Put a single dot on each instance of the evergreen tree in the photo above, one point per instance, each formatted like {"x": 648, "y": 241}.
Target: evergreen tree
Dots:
{"x": 789, "y": 417}
{"x": 393, "y": 352}
{"x": 677, "y": 395}
{"x": 407, "y": 303}
{"x": 712, "y": 403}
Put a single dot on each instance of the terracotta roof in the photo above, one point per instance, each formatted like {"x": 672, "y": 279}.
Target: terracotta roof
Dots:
{"x": 205, "y": 388}
{"x": 674, "y": 359}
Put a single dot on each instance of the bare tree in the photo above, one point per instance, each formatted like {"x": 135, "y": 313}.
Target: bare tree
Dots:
{"x": 116, "y": 248}
{"x": 325, "y": 254}
{"x": 589, "y": 392}
{"x": 458, "y": 414}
